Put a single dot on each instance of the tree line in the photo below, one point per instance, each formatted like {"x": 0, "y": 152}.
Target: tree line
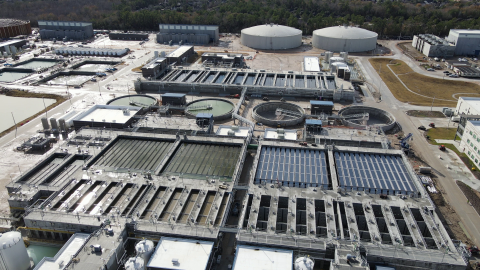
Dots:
{"x": 387, "y": 18}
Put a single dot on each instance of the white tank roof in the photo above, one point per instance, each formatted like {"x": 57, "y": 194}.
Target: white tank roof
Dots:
{"x": 9, "y": 239}
{"x": 304, "y": 263}
{"x": 135, "y": 263}
{"x": 271, "y": 30}
{"x": 144, "y": 246}
{"x": 345, "y": 32}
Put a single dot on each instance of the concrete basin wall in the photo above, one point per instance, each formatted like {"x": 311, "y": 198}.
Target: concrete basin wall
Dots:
{"x": 272, "y": 106}
{"x": 386, "y": 117}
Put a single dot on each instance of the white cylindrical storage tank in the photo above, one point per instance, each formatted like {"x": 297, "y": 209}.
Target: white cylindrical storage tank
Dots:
{"x": 135, "y": 263}
{"x": 13, "y": 251}
{"x": 344, "y": 55}
{"x": 144, "y": 249}
{"x": 304, "y": 263}
{"x": 335, "y": 59}
{"x": 336, "y": 65}
{"x": 344, "y": 39}
{"x": 271, "y": 37}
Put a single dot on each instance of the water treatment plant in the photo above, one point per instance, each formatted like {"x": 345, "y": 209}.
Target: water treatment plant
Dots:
{"x": 165, "y": 157}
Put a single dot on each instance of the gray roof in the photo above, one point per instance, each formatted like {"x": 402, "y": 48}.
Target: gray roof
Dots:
{"x": 271, "y": 30}
{"x": 63, "y": 23}
{"x": 345, "y": 32}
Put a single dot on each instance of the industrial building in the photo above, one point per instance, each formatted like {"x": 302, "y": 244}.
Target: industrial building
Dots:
{"x": 191, "y": 34}
{"x": 451, "y": 64}
{"x": 6, "y": 46}
{"x": 324, "y": 201}
{"x": 468, "y": 106}
{"x": 65, "y": 30}
{"x": 103, "y": 116}
{"x": 180, "y": 55}
{"x": 85, "y": 51}
{"x": 468, "y": 72}
{"x": 318, "y": 107}
{"x": 13, "y": 27}
{"x": 223, "y": 60}
{"x": 233, "y": 81}
{"x": 344, "y": 39}
{"x": 470, "y": 143}
{"x": 433, "y": 46}
{"x": 155, "y": 68}
{"x": 271, "y": 37}
{"x": 127, "y": 36}
{"x": 174, "y": 99}
{"x": 466, "y": 41}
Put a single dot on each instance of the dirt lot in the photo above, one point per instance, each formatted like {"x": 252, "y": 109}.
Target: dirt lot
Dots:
{"x": 424, "y": 88}
{"x": 428, "y": 114}
{"x": 472, "y": 195}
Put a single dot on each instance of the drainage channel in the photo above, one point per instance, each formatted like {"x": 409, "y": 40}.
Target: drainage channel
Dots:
{"x": 282, "y": 215}
{"x": 402, "y": 226}
{"x": 172, "y": 201}
{"x": 104, "y": 196}
{"x": 69, "y": 195}
{"x": 320, "y": 219}
{"x": 154, "y": 202}
{"x": 263, "y": 212}
{"x": 79, "y": 205}
{"x": 423, "y": 228}
{"x": 381, "y": 224}
{"x": 120, "y": 198}
{"x": 247, "y": 211}
{"x": 188, "y": 206}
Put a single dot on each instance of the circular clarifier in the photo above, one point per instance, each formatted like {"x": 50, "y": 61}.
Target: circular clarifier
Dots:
{"x": 220, "y": 108}
{"x": 133, "y": 100}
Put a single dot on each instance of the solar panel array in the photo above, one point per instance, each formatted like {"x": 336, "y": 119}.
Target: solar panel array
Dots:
{"x": 374, "y": 173}
{"x": 292, "y": 167}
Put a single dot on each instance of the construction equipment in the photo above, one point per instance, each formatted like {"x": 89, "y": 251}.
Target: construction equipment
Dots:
{"x": 403, "y": 142}
{"x": 442, "y": 147}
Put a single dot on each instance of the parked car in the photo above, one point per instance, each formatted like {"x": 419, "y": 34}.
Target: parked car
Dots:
{"x": 430, "y": 69}
{"x": 422, "y": 128}
{"x": 453, "y": 76}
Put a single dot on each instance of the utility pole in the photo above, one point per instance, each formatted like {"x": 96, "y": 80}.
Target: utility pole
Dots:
{"x": 431, "y": 108}
{"x": 15, "y": 125}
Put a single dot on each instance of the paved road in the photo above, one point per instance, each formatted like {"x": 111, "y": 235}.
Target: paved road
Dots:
{"x": 428, "y": 152}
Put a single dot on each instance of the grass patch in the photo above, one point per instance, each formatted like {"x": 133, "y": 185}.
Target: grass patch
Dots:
{"x": 433, "y": 114}
{"x": 427, "y": 87}
{"x": 137, "y": 69}
{"x": 25, "y": 94}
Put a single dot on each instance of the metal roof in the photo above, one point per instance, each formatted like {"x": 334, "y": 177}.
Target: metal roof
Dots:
{"x": 345, "y": 32}
{"x": 297, "y": 167}
{"x": 173, "y": 95}
{"x": 321, "y": 102}
{"x": 313, "y": 122}
{"x": 466, "y": 31}
{"x": 311, "y": 64}
{"x": 271, "y": 30}
{"x": 179, "y": 51}
{"x": 188, "y": 27}
{"x": 63, "y": 23}
{"x": 378, "y": 173}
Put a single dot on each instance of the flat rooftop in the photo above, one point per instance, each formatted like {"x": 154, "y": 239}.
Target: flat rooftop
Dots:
{"x": 273, "y": 133}
{"x": 466, "y": 31}
{"x": 64, "y": 254}
{"x": 236, "y": 131}
{"x": 472, "y": 101}
{"x": 261, "y": 258}
{"x": 476, "y": 124}
{"x": 179, "y": 51}
{"x": 311, "y": 64}
{"x": 177, "y": 253}
{"x": 109, "y": 114}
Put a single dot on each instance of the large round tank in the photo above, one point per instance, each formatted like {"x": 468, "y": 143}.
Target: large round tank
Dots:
{"x": 144, "y": 249}
{"x": 13, "y": 251}
{"x": 220, "y": 108}
{"x": 375, "y": 118}
{"x": 278, "y": 114}
{"x": 271, "y": 37}
{"x": 303, "y": 263}
{"x": 135, "y": 263}
{"x": 133, "y": 100}
{"x": 344, "y": 39}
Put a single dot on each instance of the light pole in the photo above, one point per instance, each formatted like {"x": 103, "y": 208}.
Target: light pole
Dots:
{"x": 431, "y": 108}
{"x": 43, "y": 99}
{"x": 15, "y": 125}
